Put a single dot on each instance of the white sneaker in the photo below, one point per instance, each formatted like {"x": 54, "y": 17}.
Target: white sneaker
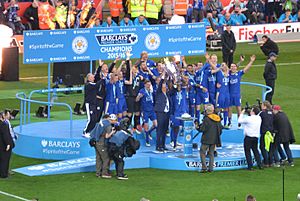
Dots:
{"x": 148, "y": 144}
{"x": 150, "y": 137}
{"x": 86, "y": 135}
{"x": 240, "y": 127}
{"x": 172, "y": 144}
{"x": 178, "y": 144}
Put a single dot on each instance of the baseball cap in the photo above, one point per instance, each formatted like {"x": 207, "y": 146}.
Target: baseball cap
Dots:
{"x": 276, "y": 107}
{"x": 113, "y": 117}
{"x": 273, "y": 54}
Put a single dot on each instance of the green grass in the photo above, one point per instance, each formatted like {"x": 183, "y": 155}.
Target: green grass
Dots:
{"x": 160, "y": 185}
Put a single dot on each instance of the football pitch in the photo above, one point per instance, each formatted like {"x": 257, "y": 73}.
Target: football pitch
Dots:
{"x": 161, "y": 185}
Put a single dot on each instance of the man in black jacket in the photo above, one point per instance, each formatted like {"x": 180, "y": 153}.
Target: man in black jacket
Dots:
{"x": 270, "y": 74}
{"x": 268, "y": 46}
{"x": 228, "y": 45}
{"x": 6, "y": 145}
{"x": 283, "y": 131}
{"x": 31, "y": 14}
{"x": 212, "y": 129}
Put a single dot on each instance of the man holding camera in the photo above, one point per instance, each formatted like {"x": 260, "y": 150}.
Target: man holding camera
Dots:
{"x": 99, "y": 136}
{"x": 251, "y": 124}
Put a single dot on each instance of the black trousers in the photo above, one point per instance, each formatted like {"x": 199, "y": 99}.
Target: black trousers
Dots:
{"x": 251, "y": 143}
{"x": 91, "y": 113}
{"x": 270, "y": 83}
{"x": 227, "y": 58}
{"x": 118, "y": 157}
{"x": 162, "y": 127}
{"x": 99, "y": 109}
{"x": 4, "y": 163}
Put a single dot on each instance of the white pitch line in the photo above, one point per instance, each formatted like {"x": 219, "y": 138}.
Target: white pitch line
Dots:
{"x": 14, "y": 196}
{"x": 33, "y": 78}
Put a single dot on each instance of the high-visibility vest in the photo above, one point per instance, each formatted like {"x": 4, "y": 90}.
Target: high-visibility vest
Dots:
{"x": 116, "y": 7}
{"x": 137, "y": 7}
{"x": 180, "y": 7}
{"x": 46, "y": 13}
{"x": 152, "y": 8}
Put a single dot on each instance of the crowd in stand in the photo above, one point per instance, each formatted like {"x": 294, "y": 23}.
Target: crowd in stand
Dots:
{"x": 60, "y": 14}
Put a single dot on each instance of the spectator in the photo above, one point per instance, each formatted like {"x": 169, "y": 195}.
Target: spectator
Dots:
{"x": 251, "y": 130}
{"x": 116, "y": 9}
{"x": 296, "y": 17}
{"x": 255, "y": 11}
{"x": 227, "y": 19}
{"x": 284, "y": 130}
{"x": 2, "y": 9}
{"x": 140, "y": 21}
{"x": 13, "y": 20}
{"x": 286, "y": 17}
{"x": 137, "y": 8}
{"x": 153, "y": 8}
{"x": 126, "y": 21}
{"x": 209, "y": 17}
{"x": 197, "y": 11}
{"x": 268, "y": 46}
{"x": 60, "y": 15}
{"x": 31, "y": 14}
{"x": 97, "y": 23}
{"x": 269, "y": 11}
{"x": 180, "y": 7}
{"x": 228, "y": 45}
{"x": 238, "y": 16}
{"x": 212, "y": 130}
{"x": 109, "y": 22}
{"x": 270, "y": 75}
{"x": 214, "y": 5}
{"x": 167, "y": 9}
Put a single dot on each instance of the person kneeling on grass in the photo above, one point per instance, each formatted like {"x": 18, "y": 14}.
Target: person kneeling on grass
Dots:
{"x": 121, "y": 145}
{"x": 212, "y": 129}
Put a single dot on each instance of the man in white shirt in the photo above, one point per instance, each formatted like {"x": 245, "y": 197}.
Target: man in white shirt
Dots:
{"x": 251, "y": 126}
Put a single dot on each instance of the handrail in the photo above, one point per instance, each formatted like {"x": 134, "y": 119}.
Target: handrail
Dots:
{"x": 54, "y": 90}
{"x": 47, "y": 103}
{"x": 265, "y": 89}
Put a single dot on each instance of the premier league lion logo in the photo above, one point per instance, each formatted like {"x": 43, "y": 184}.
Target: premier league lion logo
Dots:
{"x": 79, "y": 45}
{"x": 152, "y": 41}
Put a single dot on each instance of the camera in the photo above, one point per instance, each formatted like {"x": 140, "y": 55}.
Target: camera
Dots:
{"x": 247, "y": 108}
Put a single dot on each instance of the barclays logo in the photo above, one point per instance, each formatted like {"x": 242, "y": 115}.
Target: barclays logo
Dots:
{"x": 44, "y": 143}
{"x": 117, "y": 39}
{"x": 60, "y": 144}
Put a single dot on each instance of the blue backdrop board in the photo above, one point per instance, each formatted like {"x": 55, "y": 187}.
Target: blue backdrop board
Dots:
{"x": 108, "y": 43}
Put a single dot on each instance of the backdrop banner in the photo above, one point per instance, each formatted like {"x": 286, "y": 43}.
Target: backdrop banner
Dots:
{"x": 108, "y": 43}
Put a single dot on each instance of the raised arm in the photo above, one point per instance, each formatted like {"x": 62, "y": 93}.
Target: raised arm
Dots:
{"x": 252, "y": 59}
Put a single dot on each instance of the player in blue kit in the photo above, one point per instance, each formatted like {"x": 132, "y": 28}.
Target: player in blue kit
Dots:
{"x": 111, "y": 106}
{"x": 147, "y": 108}
{"x": 180, "y": 106}
{"x": 235, "y": 77}
{"x": 122, "y": 106}
{"x": 191, "y": 89}
{"x": 223, "y": 96}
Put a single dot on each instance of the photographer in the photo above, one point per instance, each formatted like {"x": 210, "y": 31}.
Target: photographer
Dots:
{"x": 119, "y": 145}
{"x": 251, "y": 125}
{"x": 99, "y": 135}
{"x": 212, "y": 129}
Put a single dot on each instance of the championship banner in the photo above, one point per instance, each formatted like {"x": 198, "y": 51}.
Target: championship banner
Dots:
{"x": 246, "y": 33}
{"x": 71, "y": 45}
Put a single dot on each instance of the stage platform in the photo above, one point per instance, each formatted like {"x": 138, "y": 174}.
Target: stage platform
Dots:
{"x": 52, "y": 140}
